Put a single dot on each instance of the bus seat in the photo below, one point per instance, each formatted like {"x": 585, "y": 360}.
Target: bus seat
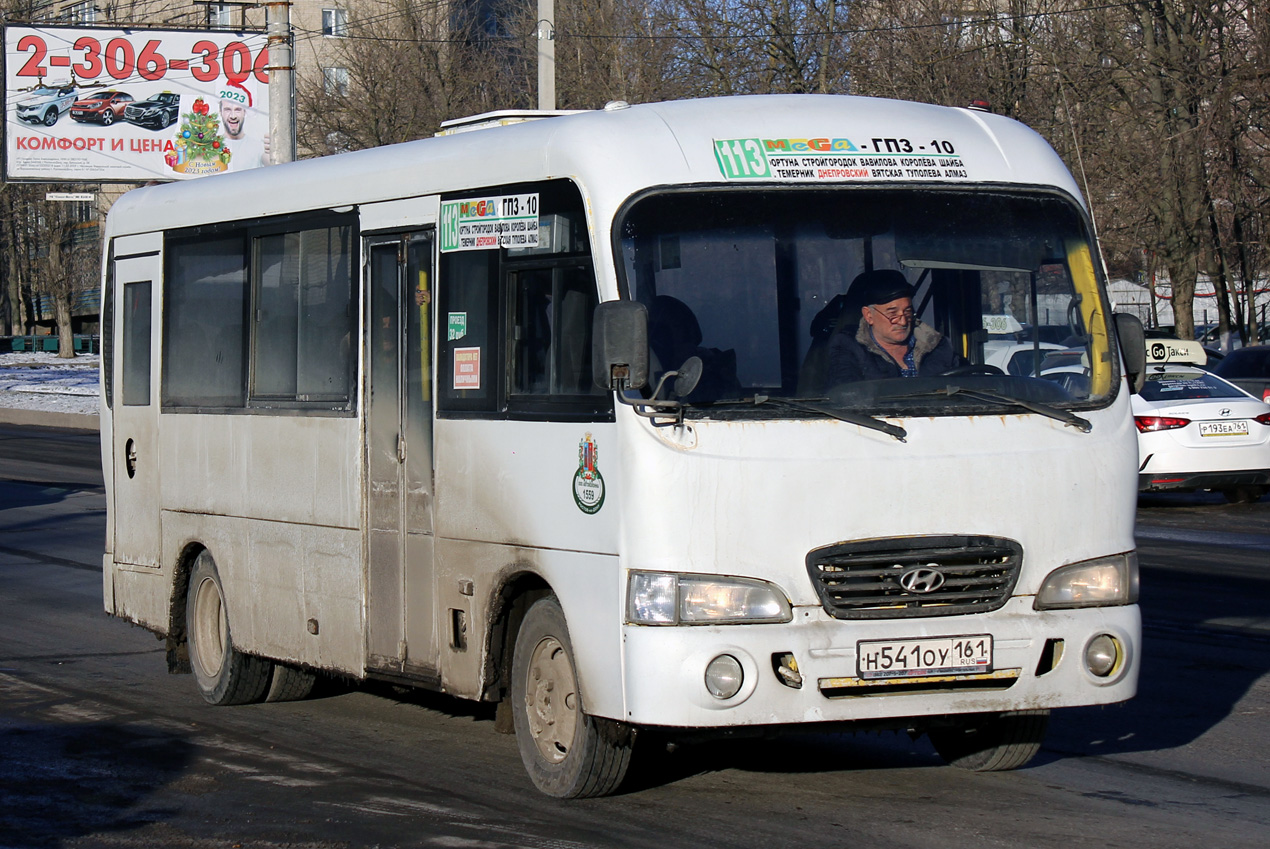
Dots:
{"x": 674, "y": 335}
{"x": 814, "y": 372}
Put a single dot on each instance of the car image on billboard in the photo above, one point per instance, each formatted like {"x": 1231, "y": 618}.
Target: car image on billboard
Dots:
{"x": 46, "y": 104}
{"x": 103, "y": 107}
{"x": 154, "y": 113}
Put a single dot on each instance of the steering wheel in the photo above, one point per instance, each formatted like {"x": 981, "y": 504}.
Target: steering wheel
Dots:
{"x": 973, "y": 368}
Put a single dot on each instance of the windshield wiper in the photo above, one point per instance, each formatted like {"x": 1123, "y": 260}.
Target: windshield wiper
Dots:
{"x": 1068, "y": 418}
{"x": 807, "y": 405}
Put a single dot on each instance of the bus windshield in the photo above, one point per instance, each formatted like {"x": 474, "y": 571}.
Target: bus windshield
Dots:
{"x": 765, "y": 287}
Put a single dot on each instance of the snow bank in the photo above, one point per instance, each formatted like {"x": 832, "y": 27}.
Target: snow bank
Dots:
{"x": 35, "y": 380}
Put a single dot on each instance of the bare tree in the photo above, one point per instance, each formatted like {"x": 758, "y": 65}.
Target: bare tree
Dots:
{"x": 723, "y": 47}
{"x": 52, "y": 253}
{"x": 410, "y": 66}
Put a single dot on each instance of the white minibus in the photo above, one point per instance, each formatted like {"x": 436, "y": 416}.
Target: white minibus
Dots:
{"x": 668, "y": 418}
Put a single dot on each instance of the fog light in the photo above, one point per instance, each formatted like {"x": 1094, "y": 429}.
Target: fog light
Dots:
{"x": 1102, "y": 655}
{"x": 724, "y": 677}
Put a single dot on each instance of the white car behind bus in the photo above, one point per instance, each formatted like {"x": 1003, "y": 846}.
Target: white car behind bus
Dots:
{"x": 1198, "y": 431}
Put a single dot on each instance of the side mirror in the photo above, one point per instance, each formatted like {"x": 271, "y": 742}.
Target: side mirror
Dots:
{"x": 1133, "y": 347}
{"x": 619, "y": 345}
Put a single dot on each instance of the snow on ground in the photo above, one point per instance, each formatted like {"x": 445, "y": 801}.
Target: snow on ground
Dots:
{"x": 35, "y": 380}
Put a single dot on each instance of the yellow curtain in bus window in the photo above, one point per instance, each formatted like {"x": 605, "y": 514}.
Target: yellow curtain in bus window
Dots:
{"x": 1085, "y": 280}
{"x": 423, "y": 297}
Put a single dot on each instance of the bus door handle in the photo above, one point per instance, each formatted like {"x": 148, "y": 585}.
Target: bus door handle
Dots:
{"x": 130, "y": 458}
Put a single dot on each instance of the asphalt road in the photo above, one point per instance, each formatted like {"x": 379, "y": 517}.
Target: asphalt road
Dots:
{"x": 100, "y": 747}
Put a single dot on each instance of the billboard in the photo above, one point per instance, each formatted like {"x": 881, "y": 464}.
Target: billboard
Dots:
{"x": 91, "y": 104}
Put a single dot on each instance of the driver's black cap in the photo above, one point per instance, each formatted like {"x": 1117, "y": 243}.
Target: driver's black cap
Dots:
{"x": 880, "y": 286}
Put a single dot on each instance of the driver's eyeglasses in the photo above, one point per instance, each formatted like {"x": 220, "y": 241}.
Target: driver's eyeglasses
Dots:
{"x": 894, "y": 315}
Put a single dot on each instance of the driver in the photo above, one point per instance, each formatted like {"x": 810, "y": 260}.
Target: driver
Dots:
{"x": 889, "y": 341}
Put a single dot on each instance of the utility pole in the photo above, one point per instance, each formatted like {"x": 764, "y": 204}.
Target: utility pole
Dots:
{"x": 546, "y": 55}
{"x": 281, "y": 82}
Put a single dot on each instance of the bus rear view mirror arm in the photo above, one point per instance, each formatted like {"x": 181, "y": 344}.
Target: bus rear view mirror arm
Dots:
{"x": 655, "y": 407}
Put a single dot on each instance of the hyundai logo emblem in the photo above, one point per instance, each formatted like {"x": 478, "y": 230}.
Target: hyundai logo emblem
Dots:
{"x": 922, "y": 579}
{"x": 1225, "y": 411}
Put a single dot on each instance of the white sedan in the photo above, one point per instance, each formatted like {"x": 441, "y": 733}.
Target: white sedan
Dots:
{"x": 1197, "y": 431}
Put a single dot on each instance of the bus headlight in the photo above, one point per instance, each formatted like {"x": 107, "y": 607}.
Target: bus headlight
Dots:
{"x": 1101, "y": 582}
{"x": 664, "y": 598}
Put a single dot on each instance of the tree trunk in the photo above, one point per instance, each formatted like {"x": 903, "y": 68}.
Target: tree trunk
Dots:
{"x": 1221, "y": 280}
{"x": 1182, "y": 273}
{"x": 65, "y": 330}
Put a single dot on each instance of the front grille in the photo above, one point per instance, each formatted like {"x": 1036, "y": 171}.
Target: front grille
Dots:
{"x": 132, "y": 111}
{"x": 946, "y": 575}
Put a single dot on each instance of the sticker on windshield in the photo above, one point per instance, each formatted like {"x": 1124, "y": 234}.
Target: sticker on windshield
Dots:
{"x": 829, "y": 159}
{"x": 484, "y": 224}
{"x": 588, "y": 485}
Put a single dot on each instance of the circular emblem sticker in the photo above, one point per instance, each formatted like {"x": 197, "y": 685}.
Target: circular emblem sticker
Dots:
{"x": 588, "y": 485}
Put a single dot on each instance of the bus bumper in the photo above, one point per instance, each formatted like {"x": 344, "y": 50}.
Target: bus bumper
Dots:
{"x": 1038, "y": 662}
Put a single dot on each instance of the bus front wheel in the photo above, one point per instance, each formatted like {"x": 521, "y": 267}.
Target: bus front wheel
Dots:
{"x": 991, "y": 742}
{"x": 567, "y": 753}
{"x": 225, "y": 676}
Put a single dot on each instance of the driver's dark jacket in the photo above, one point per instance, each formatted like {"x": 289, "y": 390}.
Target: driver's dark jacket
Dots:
{"x": 859, "y": 357}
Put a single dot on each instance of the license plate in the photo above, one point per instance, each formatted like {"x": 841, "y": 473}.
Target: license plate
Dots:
{"x": 922, "y": 658}
{"x": 1235, "y": 428}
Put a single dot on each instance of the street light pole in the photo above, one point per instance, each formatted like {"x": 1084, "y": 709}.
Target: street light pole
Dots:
{"x": 281, "y": 81}
{"x": 546, "y": 55}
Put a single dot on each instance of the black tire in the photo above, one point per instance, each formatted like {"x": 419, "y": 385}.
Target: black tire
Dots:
{"x": 51, "y": 116}
{"x": 567, "y": 753}
{"x": 290, "y": 683}
{"x": 1244, "y": 494}
{"x": 107, "y": 118}
{"x": 225, "y": 676}
{"x": 992, "y": 742}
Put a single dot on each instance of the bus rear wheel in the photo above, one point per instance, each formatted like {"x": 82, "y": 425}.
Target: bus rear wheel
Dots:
{"x": 992, "y": 742}
{"x": 567, "y": 753}
{"x": 225, "y": 676}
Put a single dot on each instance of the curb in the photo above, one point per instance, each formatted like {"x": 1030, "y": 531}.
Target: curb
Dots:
{"x": 44, "y": 418}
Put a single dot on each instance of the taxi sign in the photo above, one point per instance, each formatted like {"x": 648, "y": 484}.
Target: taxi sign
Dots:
{"x": 1175, "y": 351}
{"x": 1000, "y": 325}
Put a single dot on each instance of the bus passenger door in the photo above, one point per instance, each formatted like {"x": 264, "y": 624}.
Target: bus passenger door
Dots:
{"x": 400, "y": 621}
{"x": 135, "y": 403}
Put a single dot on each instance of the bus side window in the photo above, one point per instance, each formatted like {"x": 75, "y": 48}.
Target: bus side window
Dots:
{"x": 261, "y": 316}
{"x": 204, "y": 343}
{"x": 136, "y": 344}
{"x": 302, "y": 299}
{"x": 532, "y": 350}
{"x": 467, "y": 340}
{"x": 515, "y": 322}
{"x": 552, "y": 332}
